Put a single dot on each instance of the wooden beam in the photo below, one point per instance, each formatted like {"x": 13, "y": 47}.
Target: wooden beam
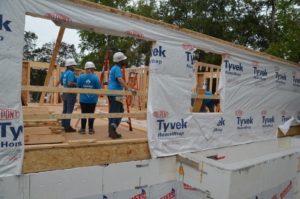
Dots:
{"x": 76, "y": 90}
{"x": 197, "y": 64}
{"x": 39, "y": 65}
{"x": 52, "y": 61}
{"x": 25, "y": 80}
{"x": 50, "y": 117}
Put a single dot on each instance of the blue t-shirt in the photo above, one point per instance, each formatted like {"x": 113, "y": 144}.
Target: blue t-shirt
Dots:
{"x": 208, "y": 102}
{"x": 68, "y": 76}
{"x": 88, "y": 81}
{"x": 114, "y": 74}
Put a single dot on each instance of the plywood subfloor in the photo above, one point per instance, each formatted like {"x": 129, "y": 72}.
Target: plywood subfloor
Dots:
{"x": 88, "y": 150}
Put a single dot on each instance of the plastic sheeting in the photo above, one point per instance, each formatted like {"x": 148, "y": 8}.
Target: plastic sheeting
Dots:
{"x": 257, "y": 94}
{"x": 12, "y": 17}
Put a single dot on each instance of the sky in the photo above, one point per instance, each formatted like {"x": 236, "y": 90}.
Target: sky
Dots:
{"x": 47, "y": 31}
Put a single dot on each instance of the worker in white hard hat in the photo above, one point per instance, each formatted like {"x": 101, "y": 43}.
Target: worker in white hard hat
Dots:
{"x": 116, "y": 82}
{"x": 68, "y": 80}
{"x": 88, "y": 101}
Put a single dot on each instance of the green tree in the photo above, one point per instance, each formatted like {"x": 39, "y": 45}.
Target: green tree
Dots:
{"x": 30, "y": 39}
{"x": 45, "y": 52}
{"x": 267, "y": 25}
{"x": 93, "y": 45}
{"x": 287, "y": 43}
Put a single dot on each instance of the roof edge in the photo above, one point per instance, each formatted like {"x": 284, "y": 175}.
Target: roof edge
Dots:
{"x": 182, "y": 30}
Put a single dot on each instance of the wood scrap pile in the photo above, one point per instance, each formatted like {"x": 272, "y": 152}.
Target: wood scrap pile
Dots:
{"x": 43, "y": 131}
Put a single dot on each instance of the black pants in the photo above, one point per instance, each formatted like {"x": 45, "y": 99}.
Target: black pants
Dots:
{"x": 87, "y": 108}
{"x": 115, "y": 107}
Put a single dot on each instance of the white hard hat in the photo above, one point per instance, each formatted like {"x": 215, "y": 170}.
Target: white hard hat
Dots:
{"x": 89, "y": 64}
{"x": 119, "y": 56}
{"x": 70, "y": 62}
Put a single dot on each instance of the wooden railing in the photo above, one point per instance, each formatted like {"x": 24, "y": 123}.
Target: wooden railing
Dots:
{"x": 45, "y": 116}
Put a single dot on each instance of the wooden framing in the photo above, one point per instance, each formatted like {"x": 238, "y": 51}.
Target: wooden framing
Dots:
{"x": 52, "y": 61}
{"x": 204, "y": 72}
{"x": 209, "y": 71}
{"x": 26, "y": 80}
{"x": 143, "y": 78}
{"x": 77, "y": 90}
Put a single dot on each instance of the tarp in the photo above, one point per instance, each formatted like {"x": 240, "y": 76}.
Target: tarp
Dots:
{"x": 257, "y": 93}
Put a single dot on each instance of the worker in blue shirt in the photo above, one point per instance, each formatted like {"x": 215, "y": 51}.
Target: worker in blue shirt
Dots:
{"x": 68, "y": 80}
{"x": 116, "y": 82}
{"x": 88, "y": 101}
{"x": 208, "y": 103}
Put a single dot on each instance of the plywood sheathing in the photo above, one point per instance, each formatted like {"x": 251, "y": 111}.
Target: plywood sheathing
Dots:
{"x": 64, "y": 156}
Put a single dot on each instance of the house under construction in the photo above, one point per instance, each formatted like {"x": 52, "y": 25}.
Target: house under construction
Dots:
{"x": 174, "y": 145}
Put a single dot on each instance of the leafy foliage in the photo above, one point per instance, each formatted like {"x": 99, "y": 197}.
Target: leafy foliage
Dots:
{"x": 30, "y": 45}
{"x": 44, "y": 53}
{"x": 271, "y": 26}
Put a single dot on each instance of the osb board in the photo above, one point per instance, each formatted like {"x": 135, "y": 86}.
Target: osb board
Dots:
{"x": 43, "y": 139}
{"x": 294, "y": 130}
{"x": 66, "y": 156}
{"x": 37, "y": 130}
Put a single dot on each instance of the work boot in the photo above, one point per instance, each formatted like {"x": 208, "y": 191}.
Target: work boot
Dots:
{"x": 70, "y": 130}
{"x": 91, "y": 131}
{"x": 113, "y": 133}
{"x": 81, "y": 131}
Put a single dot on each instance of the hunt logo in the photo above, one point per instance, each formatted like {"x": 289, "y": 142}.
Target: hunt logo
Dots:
{"x": 9, "y": 114}
{"x": 243, "y": 122}
{"x": 7, "y": 128}
{"x": 267, "y": 121}
{"x": 220, "y": 125}
{"x": 171, "y": 129}
{"x": 58, "y": 17}
{"x": 160, "y": 114}
{"x": 189, "y": 60}
{"x": 170, "y": 195}
{"x": 134, "y": 33}
{"x": 157, "y": 55}
{"x": 233, "y": 69}
{"x": 284, "y": 118}
{"x": 4, "y": 24}
{"x": 141, "y": 195}
{"x": 296, "y": 81}
{"x": 259, "y": 74}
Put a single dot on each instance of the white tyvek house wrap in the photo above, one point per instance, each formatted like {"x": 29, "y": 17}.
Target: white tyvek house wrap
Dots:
{"x": 12, "y": 18}
{"x": 246, "y": 99}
